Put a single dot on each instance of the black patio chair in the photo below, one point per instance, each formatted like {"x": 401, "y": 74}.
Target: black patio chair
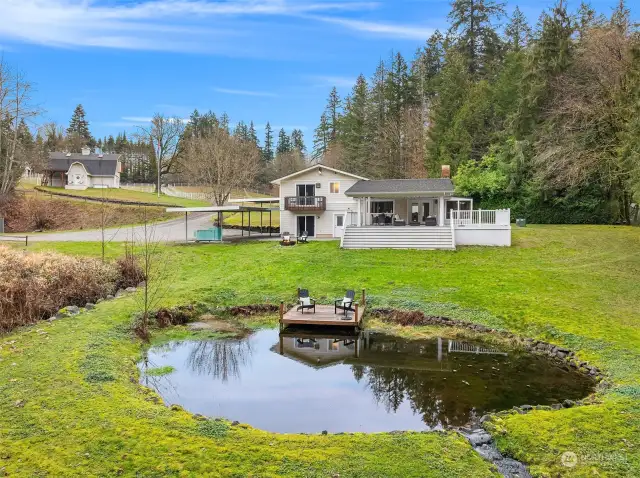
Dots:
{"x": 345, "y": 304}
{"x": 304, "y": 304}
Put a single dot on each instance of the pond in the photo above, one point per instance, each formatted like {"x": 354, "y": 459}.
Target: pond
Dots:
{"x": 305, "y": 381}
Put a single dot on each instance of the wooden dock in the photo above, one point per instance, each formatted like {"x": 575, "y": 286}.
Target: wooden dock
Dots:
{"x": 324, "y": 315}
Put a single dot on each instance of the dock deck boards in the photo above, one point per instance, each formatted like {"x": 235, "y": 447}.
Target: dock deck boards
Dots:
{"x": 324, "y": 316}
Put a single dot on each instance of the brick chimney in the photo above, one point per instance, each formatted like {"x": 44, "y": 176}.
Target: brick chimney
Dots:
{"x": 86, "y": 151}
{"x": 446, "y": 171}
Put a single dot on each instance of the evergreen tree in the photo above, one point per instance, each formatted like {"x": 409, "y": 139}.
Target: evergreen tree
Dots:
{"x": 224, "y": 121}
{"x": 284, "y": 143}
{"x": 321, "y": 139}
{"x": 297, "y": 141}
{"x": 79, "y": 127}
{"x": 253, "y": 137}
{"x": 267, "y": 151}
{"x": 552, "y": 54}
{"x": 332, "y": 112}
{"x": 517, "y": 31}
{"x": 474, "y": 33}
{"x": 354, "y": 129}
{"x": 241, "y": 131}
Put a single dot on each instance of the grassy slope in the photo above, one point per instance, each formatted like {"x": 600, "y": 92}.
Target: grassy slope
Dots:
{"x": 66, "y": 214}
{"x": 130, "y": 195}
{"x": 572, "y": 285}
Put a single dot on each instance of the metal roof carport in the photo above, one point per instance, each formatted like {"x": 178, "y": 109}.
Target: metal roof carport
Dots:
{"x": 221, "y": 210}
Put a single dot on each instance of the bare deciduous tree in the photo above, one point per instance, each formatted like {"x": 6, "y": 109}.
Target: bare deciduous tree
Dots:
{"x": 155, "y": 265}
{"x": 164, "y": 135}
{"x": 16, "y": 107}
{"x": 221, "y": 162}
{"x": 590, "y": 111}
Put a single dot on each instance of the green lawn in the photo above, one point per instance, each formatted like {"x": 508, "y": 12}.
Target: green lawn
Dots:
{"x": 235, "y": 219}
{"x": 571, "y": 285}
{"x": 130, "y": 195}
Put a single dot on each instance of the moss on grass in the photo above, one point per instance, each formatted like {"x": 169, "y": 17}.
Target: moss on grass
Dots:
{"x": 570, "y": 285}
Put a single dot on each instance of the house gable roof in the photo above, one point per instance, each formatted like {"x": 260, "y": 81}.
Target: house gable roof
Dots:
{"x": 400, "y": 187}
{"x": 107, "y": 165}
{"x": 316, "y": 166}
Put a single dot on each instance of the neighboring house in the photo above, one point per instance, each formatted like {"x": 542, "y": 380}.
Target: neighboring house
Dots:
{"x": 83, "y": 170}
{"x": 420, "y": 213}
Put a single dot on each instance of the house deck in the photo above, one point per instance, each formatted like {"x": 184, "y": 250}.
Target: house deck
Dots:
{"x": 324, "y": 316}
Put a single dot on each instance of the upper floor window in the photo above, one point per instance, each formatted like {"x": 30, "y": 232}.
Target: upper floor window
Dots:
{"x": 334, "y": 187}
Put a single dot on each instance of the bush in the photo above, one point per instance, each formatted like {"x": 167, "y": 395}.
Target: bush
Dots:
{"x": 129, "y": 270}
{"x": 34, "y": 286}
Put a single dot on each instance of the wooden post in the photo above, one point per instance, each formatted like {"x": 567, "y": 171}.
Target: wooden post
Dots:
{"x": 364, "y": 298}
{"x": 281, "y": 313}
{"x": 242, "y": 223}
{"x": 356, "y": 313}
{"x": 249, "y": 223}
{"x": 26, "y": 241}
{"x": 186, "y": 228}
{"x": 269, "y": 222}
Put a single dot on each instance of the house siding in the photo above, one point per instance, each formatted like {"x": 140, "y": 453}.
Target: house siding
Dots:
{"x": 336, "y": 203}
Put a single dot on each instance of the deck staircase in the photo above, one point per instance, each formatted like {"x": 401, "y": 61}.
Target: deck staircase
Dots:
{"x": 398, "y": 237}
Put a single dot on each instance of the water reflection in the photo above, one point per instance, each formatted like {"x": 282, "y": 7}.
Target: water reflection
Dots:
{"x": 220, "y": 359}
{"x": 305, "y": 381}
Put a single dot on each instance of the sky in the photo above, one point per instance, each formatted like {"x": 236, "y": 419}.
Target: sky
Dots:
{"x": 259, "y": 60}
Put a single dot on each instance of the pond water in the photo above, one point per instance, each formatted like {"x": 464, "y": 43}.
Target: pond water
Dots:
{"x": 302, "y": 381}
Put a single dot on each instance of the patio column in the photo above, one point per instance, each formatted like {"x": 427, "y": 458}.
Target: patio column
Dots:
{"x": 442, "y": 211}
{"x": 358, "y": 222}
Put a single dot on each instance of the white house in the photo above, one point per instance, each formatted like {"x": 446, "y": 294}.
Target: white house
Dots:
{"x": 83, "y": 170}
{"x": 313, "y": 200}
{"x": 386, "y": 213}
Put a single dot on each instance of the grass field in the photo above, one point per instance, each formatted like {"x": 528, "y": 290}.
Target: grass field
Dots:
{"x": 59, "y": 213}
{"x": 235, "y": 219}
{"x": 70, "y": 408}
{"x": 130, "y": 195}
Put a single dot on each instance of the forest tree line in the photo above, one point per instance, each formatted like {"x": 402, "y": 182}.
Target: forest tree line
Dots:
{"x": 543, "y": 119}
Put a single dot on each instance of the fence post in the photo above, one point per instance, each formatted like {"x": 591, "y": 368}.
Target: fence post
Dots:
{"x": 26, "y": 241}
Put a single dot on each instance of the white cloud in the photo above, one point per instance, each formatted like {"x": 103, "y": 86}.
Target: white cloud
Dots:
{"x": 413, "y": 32}
{"x": 230, "y": 91}
{"x": 165, "y": 25}
{"x": 337, "y": 81}
{"x": 137, "y": 119}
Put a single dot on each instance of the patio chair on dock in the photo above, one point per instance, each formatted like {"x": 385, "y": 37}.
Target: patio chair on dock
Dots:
{"x": 305, "y": 302}
{"x": 346, "y": 304}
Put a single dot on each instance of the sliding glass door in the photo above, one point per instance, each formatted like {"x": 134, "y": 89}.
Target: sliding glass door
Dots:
{"x": 307, "y": 223}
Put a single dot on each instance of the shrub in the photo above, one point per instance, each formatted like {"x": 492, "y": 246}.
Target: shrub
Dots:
{"x": 129, "y": 270}
{"x": 34, "y": 286}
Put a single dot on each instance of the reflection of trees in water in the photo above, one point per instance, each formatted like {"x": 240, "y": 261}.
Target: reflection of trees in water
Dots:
{"x": 439, "y": 404}
{"x": 221, "y": 359}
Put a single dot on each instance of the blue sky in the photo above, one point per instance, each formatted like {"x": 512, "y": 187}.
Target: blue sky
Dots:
{"x": 260, "y": 60}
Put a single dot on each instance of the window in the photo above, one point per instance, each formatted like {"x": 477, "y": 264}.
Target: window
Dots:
{"x": 334, "y": 187}
{"x": 378, "y": 207}
{"x": 339, "y": 220}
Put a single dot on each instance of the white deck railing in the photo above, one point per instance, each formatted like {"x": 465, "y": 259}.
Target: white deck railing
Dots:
{"x": 463, "y": 347}
{"x": 480, "y": 217}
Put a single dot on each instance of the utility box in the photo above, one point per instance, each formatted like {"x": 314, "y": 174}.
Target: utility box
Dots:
{"x": 521, "y": 222}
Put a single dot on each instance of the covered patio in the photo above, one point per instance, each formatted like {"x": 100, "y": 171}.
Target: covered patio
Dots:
{"x": 405, "y": 202}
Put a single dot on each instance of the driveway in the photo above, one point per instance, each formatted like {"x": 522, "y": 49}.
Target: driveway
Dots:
{"x": 168, "y": 231}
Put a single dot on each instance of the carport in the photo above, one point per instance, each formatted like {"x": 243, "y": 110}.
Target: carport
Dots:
{"x": 221, "y": 210}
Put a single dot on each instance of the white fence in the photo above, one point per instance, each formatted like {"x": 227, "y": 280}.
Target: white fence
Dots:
{"x": 481, "y": 217}
{"x": 143, "y": 187}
